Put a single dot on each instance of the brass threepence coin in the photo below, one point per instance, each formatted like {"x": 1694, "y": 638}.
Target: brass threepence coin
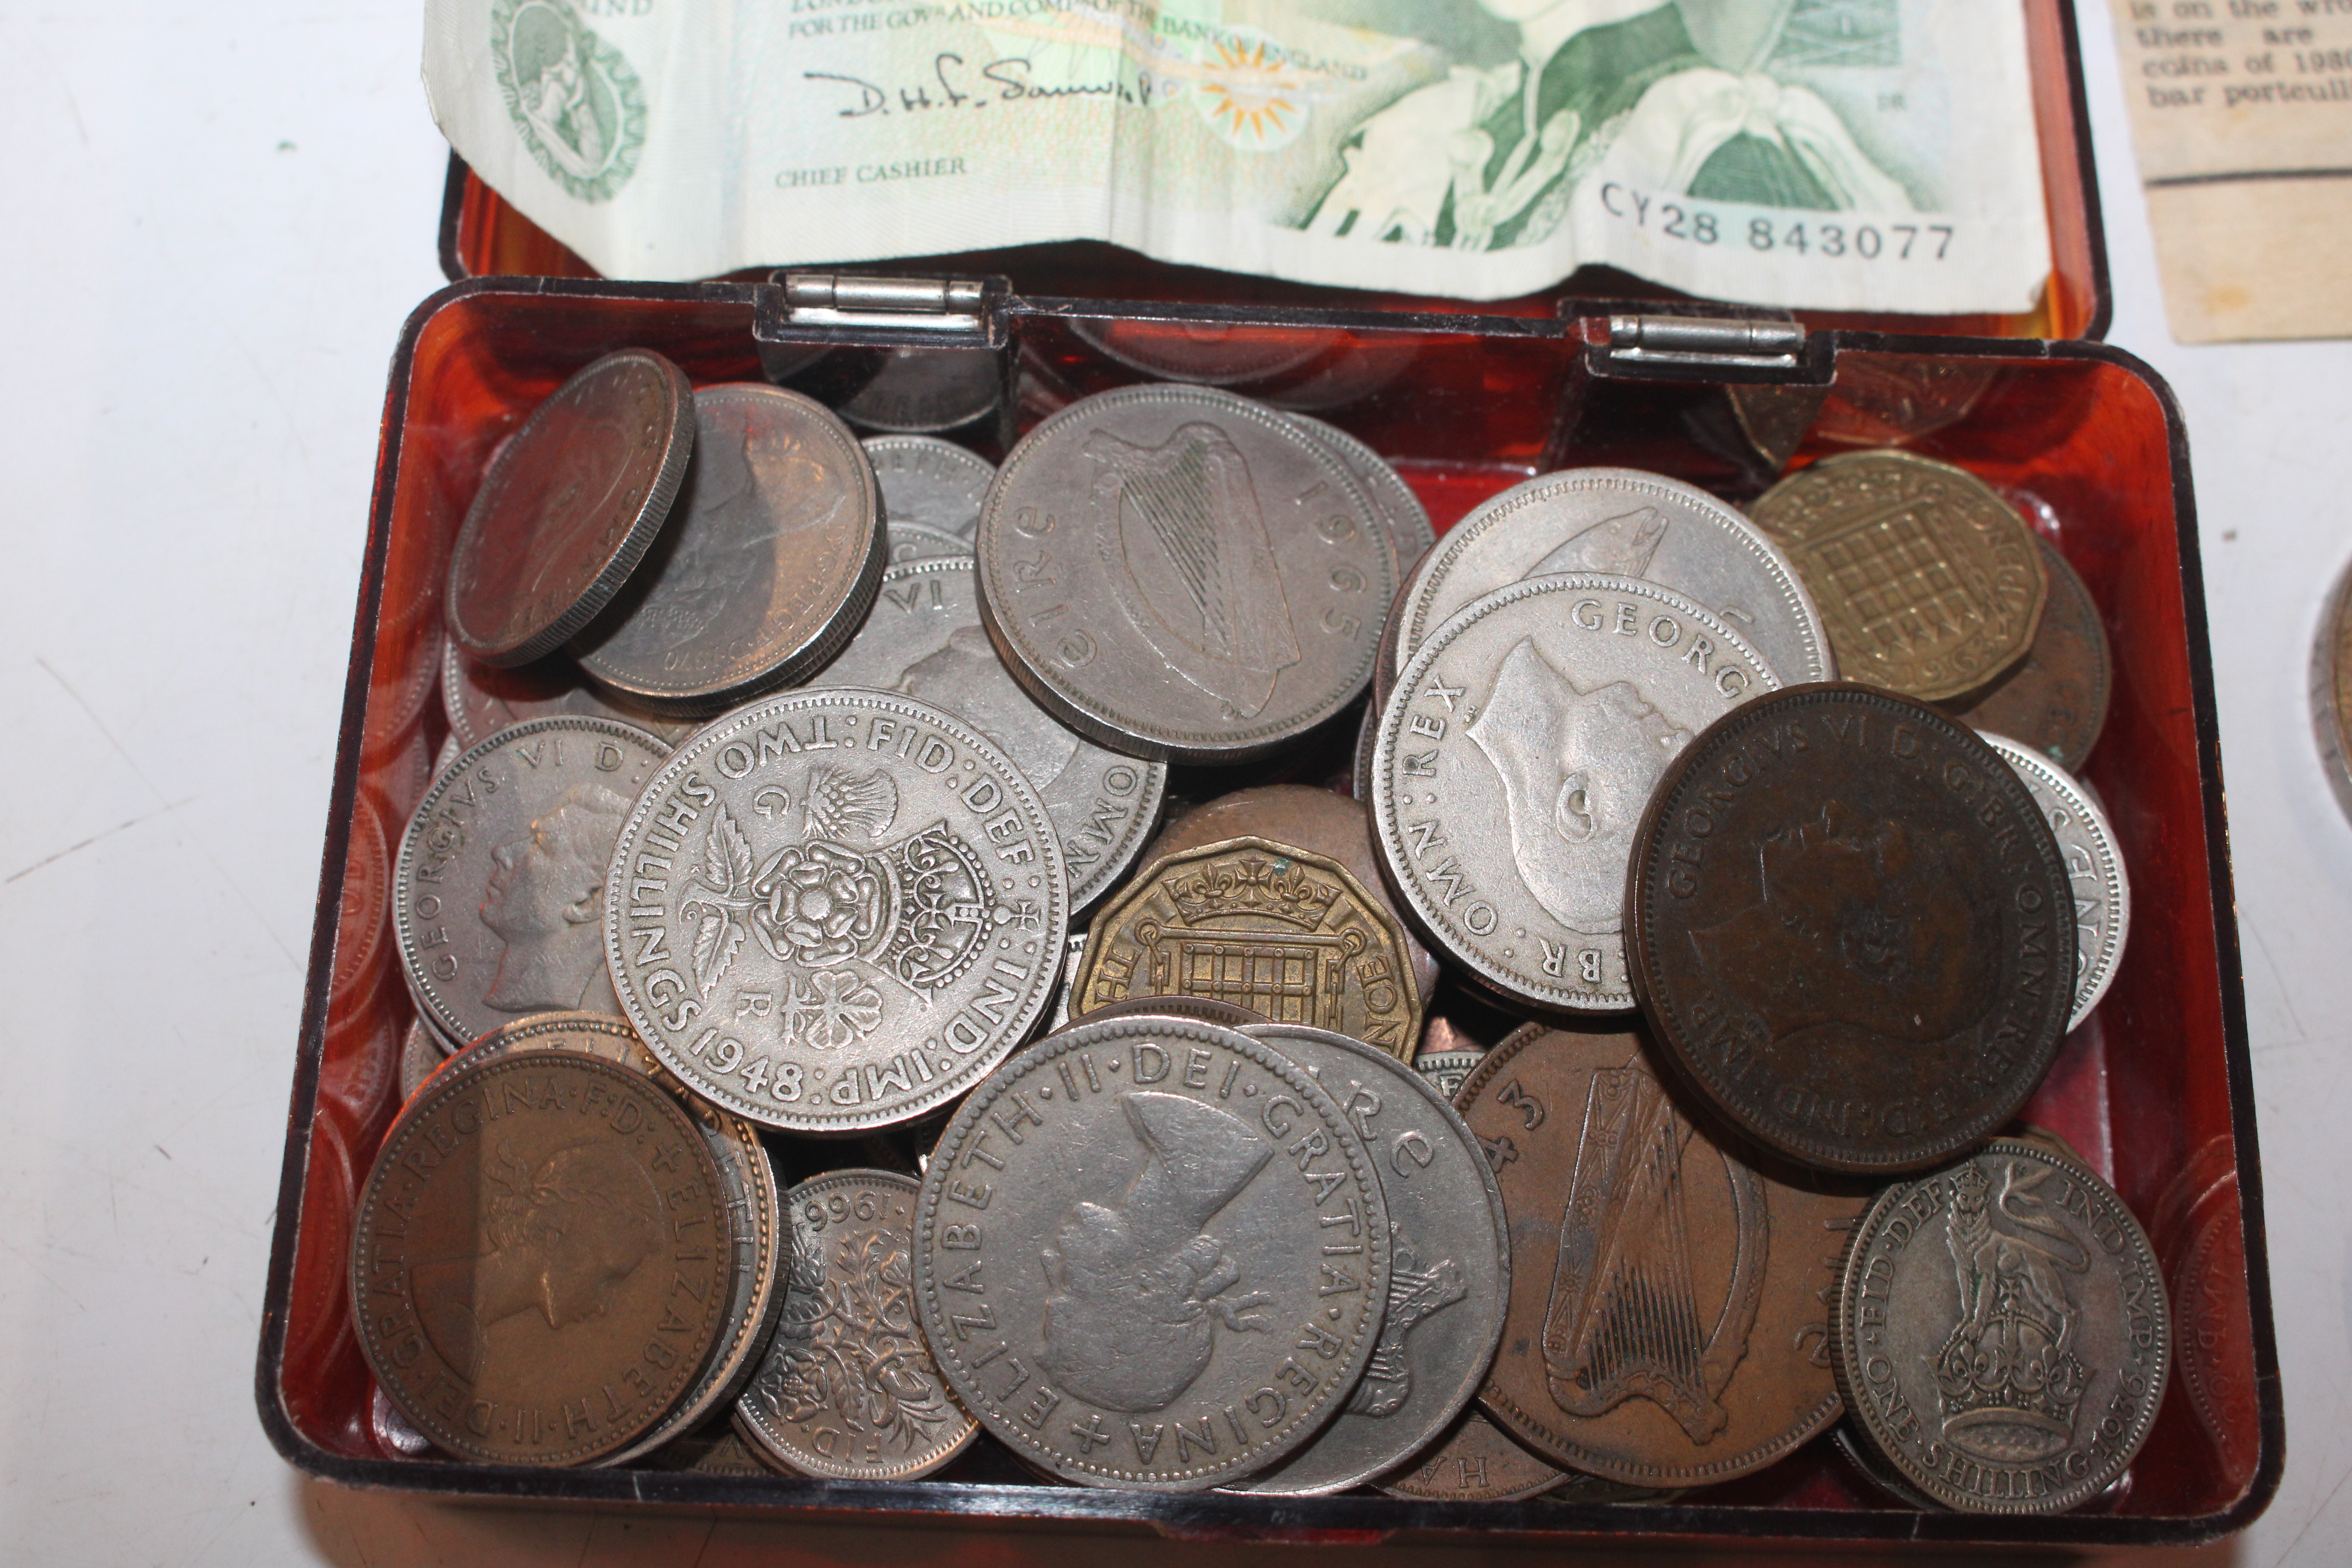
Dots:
{"x": 1929, "y": 582}
{"x": 2003, "y": 1334}
{"x": 1622, "y": 523}
{"x": 2055, "y": 699}
{"x": 498, "y": 892}
{"x": 930, "y": 483}
{"x": 2094, "y": 861}
{"x": 754, "y": 1215}
{"x": 570, "y": 506}
{"x": 764, "y": 572}
{"x": 1669, "y": 1322}
{"x": 848, "y": 1389}
{"x": 1180, "y": 573}
{"x": 1284, "y": 932}
{"x": 1449, "y": 1266}
{"x": 1852, "y": 928}
{"x": 923, "y": 638}
{"x": 540, "y": 1264}
{"x": 480, "y": 701}
{"x": 1474, "y": 1462}
{"x": 1152, "y": 1253}
{"x": 833, "y": 909}
{"x": 1515, "y": 759}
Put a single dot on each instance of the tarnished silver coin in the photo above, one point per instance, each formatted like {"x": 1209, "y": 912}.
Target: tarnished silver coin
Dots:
{"x": 2095, "y": 865}
{"x": 848, "y": 1388}
{"x": 480, "y": 701}
{"x": 1074, "y": 955}
{"x": 923, "y": 638}
{"x": 766, "y": 568}
{"x": 1400, "y": 509}
{"x": 747, "y": 1185}
{"x": 1449, "y": 1266}
{"x": 837, "y": 908}
{"x": 1516, "y": 758}
{"x": 1180, "y": 573}
{"x": 930, "y": 483}
{"x": 1152, "y": 1253}
{"x": 569, "y": 507}
{"x": 498, "y": 894}
{"x": 1622, "y": 523}
{"x": 2002, "y": 1336}
{"x": 909, "y": 543}
{"x": 421, "y": 1050}
{"x": 1446, "y": 1070}
{"x": 1476, "y": 1462}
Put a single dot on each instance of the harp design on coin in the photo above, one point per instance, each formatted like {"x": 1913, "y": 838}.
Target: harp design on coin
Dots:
{"x": 1187, "y": 553}
{"x": 1627, "y": 1319}
{"x": 1416, "y": 1295}
{"x": 2008, "y": 1378}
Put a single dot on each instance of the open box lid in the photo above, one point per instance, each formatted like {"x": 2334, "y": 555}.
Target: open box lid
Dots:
{"x": 482, "y": 235}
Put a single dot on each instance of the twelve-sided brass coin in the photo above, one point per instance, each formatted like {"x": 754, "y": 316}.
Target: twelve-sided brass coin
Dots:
{"x": 541, "y": 1261}
{"x": 1852, "y": 928}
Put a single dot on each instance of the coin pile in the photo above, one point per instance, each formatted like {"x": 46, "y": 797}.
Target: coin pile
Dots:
{"x": 818, "y": 1028}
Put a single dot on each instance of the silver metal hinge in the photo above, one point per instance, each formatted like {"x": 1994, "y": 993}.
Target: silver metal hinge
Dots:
{"x": 1706, "y": 341}
{"x": 918, "y": 304}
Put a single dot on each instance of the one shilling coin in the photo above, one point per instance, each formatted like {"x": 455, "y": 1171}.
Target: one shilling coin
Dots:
{"x": 930, "y": 483}
{"x": 2094, "y": 862}
{"x": 540, "y": 1263}
{"x": 1852, "y": 928}
{"x": 1181, "y": 573}
{"x": 848, "y": 1388}
{"x": 1514, "y": 762}
{"x": 764, "y": 571}
{"x": 1929, "y": 582}
{"x": 1152, "y": 1253}
{"x": 498, "y": 890}
{"x": 1624, "y": 522}
{"x": 834, "y": 910}
{"x": 570, "y": 506}
{"x": 2002, "y": 1332}
{"x": 923, "y": 638}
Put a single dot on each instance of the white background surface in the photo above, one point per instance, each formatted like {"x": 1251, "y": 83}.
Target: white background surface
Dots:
{"x": 212, "y": 222}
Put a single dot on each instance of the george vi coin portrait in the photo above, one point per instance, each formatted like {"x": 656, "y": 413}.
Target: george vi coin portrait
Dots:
{"x": 545, "y": 901}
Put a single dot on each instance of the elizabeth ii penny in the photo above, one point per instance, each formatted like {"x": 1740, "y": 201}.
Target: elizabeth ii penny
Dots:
{"x": 542, "y": 1260}
{"x": 1624, "y": 522}
{"x": 1852, "y": 928}
{"x": 480, "y": 700}
{"x": 498, "y": 890}
{"x": 834, "y": 910}
{"x": 1669, "y": 1321}
{"x": 2055, "y": 699}
{"x": 1179, "y": 573}
{"x": 1152, "y": 1253}
{"x": 2095, "y": 863}
{"x": 2002, "y": 1332}
{"x": 930, "y": 483}
{"x": 923, "y": 638}
{"x": 764, "y": 571}
{"x": 848, "y": 1389}
{"x": 1514, "y": 762}
{"x": 1928, "y": 581}
{"x": 569, "y": 507}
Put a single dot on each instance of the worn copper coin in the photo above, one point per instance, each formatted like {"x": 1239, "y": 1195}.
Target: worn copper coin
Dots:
{"x": 1475, "y": 1462}
{"x": 2002, "y": 1334}
{"x": 1670, "y": 1304}
{"x": 1282, "y": 931}
{"x": 1928, "y": 581}
{"x": 1852, "y": 928}
{"x": 1152, "y": 1253}
{"x": 542, "y": 1260}
{"x": 2055, "y": 699}
{"x": 764, "y": 572}
{"x": 754, "y": 1215}
{"x": 930, "y": 483}
{"x": 1313, "y": 819}
{"x": 848, "y": 1388}
{"x": 480, "y": 701}
{"x": 570, "y": 506}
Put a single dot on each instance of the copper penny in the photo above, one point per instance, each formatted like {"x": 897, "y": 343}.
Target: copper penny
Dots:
{"x": 2055, "y": 701}
{"x": 1670, "y": 1303}
{"x": 1278, "y": 929}
{"x": 1313, "y": 819}
{"x": 1928, "y": 581}
{"x": 542, "y": 1260}
{"x": 1852, "y": 928}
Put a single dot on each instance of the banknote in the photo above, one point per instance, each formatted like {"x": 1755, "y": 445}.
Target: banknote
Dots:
{"x": 1876, "y": 154}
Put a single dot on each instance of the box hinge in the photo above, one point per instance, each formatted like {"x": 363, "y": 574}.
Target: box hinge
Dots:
{"x": 899, "y": 304}
{"x": 1702, "y": 342}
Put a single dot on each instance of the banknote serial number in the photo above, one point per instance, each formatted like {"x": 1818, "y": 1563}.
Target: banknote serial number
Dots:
{"x": 1802, "y": 236}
